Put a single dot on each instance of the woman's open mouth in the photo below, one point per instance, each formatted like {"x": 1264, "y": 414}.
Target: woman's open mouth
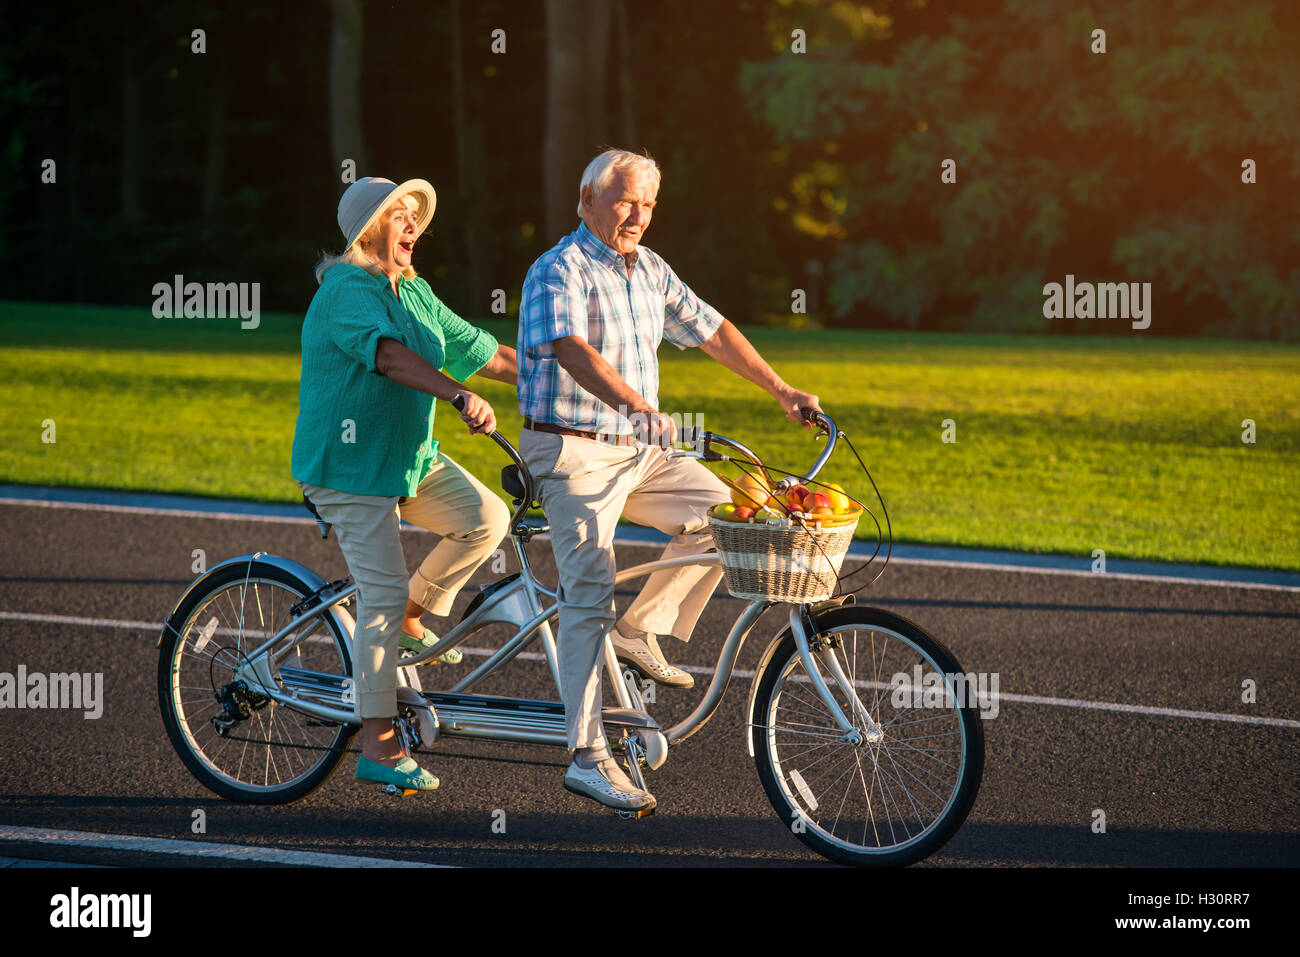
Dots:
{"x": 406, "y": 247}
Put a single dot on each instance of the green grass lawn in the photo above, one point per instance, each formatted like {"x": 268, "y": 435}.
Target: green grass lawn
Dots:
{"x": 1064, "y": 445}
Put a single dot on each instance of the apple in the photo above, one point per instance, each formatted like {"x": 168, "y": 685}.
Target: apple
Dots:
{"x": 839, "y": 499}
{"x": 750, "y": 491}
{"x": 743, "y": 513}
{"x": 726, "y": 511}
{"x": 816, "y": 500}
{"x": 794, "y": 497}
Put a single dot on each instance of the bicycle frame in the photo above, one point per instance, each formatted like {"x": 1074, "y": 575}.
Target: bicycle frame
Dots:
{"x": 520, "y": 603}
{"x": 503, "y": 605}
{"x": 511, "y": 604}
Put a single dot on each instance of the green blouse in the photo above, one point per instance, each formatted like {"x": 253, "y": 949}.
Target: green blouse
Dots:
{"x": 358, "y": 431}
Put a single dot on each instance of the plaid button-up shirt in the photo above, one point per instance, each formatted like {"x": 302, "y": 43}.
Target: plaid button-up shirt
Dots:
{"x": 580, "y": 287}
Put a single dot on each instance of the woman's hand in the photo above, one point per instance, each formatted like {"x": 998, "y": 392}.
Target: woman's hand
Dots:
{"x": 478, "y": 415}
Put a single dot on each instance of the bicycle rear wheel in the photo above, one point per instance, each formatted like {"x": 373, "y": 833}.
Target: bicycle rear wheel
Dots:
{"x": 240, "y": 744}
{"x": 888, "y": 803}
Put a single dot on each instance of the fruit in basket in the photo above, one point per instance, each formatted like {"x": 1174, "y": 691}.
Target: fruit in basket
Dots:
{"x": 725, "y": 511}
{"x": 794, "y": 496}
{"x": 743, "y": 513}
{"x": 751, "y": 491}
{"x": 838, "y": 498}
{"x": 814, "y": 501}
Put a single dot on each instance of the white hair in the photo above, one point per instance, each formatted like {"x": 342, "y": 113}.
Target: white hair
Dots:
{"x": 601, "y": 170}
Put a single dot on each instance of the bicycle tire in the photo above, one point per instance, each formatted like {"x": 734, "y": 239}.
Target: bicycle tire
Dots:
{"x": 297, "y": 766}
{"x": 880, "y": 830}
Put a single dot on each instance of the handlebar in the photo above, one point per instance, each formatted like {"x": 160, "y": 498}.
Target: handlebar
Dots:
{"x": 827, "y": 425}
{"x": 702, "y": 440}
{"x": 530, "y": 487}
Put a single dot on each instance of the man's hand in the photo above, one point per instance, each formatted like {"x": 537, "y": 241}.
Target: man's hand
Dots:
{"x": 478, "y": 415}
{"x": 653, "y": 428}
{"x": 792, "y": 400}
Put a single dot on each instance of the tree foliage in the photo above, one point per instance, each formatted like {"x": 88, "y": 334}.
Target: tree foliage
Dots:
{"x": 1117, "y": 166}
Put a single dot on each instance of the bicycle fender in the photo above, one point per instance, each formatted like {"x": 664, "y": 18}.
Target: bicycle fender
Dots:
{"x": 304, "y": 574}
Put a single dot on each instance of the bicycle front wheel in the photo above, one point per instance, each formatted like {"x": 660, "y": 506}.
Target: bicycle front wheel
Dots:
{"x": 895, "y": 796}
{"x": 240, "y": 744}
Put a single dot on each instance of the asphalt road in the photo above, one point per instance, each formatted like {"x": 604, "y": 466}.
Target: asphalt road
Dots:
{"x": 1176, "y": 790}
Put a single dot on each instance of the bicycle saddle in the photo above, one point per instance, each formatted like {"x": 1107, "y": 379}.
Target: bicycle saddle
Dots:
{"x": 323, "y": 525}
{"x": 512, "y": 482}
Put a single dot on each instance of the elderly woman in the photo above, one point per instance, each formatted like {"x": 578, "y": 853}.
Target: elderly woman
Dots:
{"x": 376, "y": 343}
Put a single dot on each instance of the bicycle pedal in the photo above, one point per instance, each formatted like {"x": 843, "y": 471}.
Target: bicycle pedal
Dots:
{"x": 394, "y": 791}
{"x": 635, "y": 815}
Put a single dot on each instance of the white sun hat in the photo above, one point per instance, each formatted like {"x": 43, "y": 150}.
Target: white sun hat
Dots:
{"x": 364, "y": 200}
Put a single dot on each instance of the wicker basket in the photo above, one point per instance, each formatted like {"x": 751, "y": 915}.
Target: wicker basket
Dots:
{"x": 778, "y": 562}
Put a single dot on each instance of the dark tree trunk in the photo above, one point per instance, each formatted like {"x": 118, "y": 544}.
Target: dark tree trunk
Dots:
{"x": 346, "y": 138}
{"x": 70, "y": 170}
{"x": 214, "y": 165}
{"x": 577, "y": 47}
{"x": 597, "y": 19}
{"x": 131, "y": 188}
{"x": 470, "y": 202}
{"x": 625, "y": 54}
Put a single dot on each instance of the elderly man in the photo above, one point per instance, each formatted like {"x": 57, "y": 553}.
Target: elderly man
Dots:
{"x": 595, "y": 308}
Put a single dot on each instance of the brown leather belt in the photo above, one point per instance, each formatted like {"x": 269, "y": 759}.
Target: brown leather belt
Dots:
{"x": 561, "y": 430}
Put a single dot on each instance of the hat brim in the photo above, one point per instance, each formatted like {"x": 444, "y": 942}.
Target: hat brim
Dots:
{"x": 426, "y": 201}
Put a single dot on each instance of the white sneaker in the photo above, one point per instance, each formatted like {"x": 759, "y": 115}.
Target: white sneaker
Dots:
{"x": 607, "y": 784}
{"x": 646, "y": 658}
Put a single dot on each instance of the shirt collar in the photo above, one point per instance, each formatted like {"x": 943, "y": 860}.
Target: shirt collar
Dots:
{"x": 378, "y": 280}
{"x": 601, "y": 251}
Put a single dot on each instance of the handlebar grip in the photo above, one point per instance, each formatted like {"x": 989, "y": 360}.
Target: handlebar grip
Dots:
{"x": 809, "y": 415}
{"x": 458, "y": 401}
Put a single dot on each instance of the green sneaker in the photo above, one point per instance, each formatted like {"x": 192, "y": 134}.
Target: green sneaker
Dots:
{"x": 407, "y": 776}
{"x": 451, "y": 656}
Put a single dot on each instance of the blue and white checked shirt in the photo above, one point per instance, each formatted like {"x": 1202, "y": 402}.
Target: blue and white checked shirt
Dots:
{"x": 580, "y": 287}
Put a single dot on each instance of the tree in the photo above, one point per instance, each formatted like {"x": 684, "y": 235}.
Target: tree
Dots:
{"x": 577, "y": 46}
{"x": 1114, "y": 166}
{"x": 347, "y": 140}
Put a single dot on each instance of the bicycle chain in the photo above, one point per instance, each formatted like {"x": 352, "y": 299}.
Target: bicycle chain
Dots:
{"x": 279, "y": 744}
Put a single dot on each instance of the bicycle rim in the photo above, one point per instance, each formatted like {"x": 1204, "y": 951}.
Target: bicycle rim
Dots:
{"x": 896, "y": 800}
{"x": 275, "y": 748}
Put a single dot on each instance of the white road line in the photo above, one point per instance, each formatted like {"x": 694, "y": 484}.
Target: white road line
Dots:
{"x": 856, "y": 553}
{"x": 218, "y": 852}
{"x": 746, "y": 673}
{"x": 1083, "y": 573}
{"x": 178, "y": 512}
{"x": 1145, "y": 709}
{"x": 84, "y": 622}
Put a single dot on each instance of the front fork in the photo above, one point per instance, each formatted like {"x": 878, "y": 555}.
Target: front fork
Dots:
{"x": 819, "y": 647}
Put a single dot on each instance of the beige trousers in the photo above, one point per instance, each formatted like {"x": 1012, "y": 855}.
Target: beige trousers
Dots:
{"x": 584, "y": 485}
{"x": 450, "y": 502}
